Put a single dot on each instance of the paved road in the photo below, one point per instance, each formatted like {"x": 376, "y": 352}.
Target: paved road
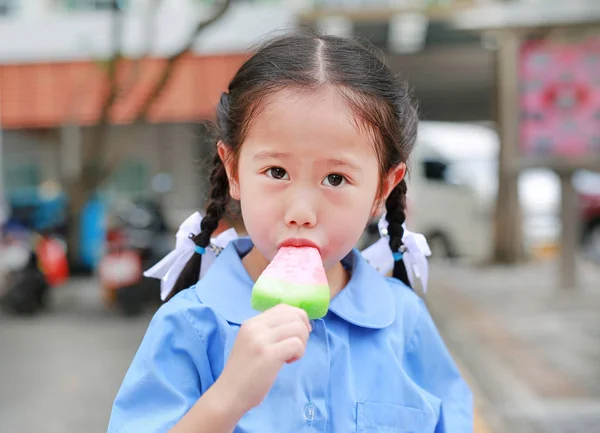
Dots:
{"x": 531, "y": 347}
{"x": 59, "y": 372}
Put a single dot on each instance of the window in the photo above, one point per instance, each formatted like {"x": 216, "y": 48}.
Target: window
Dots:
{"x": 216, "y": 2}
{"x": 442, "y": 33}
{"x": 21, "y": 177}
{"x": 435, "y": 170}
{"x": 99, "y": 5}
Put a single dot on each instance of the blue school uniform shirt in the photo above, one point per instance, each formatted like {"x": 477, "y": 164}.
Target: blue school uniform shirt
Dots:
{"x": 374, "y": 363}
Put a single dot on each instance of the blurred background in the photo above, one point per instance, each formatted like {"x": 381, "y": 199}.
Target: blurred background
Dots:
{"x": 104, "y": 137}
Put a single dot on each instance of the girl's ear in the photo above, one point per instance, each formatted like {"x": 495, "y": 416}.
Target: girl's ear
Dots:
{"x": 392, "y": 179}
{"x": 227, "y": 157}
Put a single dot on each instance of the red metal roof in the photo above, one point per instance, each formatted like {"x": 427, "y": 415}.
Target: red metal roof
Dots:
{"x": 46, "y": 95}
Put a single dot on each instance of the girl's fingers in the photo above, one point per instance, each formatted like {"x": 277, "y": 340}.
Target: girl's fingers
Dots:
{"x": 289, "y": 350}
{"x": 284, "y": 313}
{"x": 289, "y": 330}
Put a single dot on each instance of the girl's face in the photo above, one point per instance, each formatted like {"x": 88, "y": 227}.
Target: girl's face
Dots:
{"x": 307, "y": 175}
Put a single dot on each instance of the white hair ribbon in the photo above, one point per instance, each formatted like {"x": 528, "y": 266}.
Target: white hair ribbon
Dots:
{"x": 170, "y": 267}
{"x": 380, "y": 255}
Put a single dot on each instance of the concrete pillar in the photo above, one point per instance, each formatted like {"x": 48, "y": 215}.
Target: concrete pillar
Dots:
{"x": 508, "y": 228}
{"x": 571, "y": 224}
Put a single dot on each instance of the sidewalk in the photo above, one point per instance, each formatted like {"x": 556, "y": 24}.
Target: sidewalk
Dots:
{"x": 530, "y": 349}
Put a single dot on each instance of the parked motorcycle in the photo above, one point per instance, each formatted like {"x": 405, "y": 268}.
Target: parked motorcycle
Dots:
{"x": 136, "y": 239}
{"x": 30, "y": 265}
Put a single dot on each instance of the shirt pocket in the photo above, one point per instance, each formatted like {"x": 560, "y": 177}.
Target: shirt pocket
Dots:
{"x": 388, "y": 418}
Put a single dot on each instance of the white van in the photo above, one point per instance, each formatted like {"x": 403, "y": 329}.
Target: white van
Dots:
{"x": 452, "y": 190}
{"x": 445, "y": 203}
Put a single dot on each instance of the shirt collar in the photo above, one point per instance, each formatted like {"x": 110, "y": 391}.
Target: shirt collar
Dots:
{"x": 366, "y": 301}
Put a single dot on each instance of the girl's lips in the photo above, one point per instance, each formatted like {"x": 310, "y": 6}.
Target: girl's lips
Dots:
{"x": 298, "y": 242}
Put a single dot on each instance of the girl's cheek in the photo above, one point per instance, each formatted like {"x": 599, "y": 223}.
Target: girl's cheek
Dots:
{"x": 349, "y": 202}
{"x": 341, "y": 198}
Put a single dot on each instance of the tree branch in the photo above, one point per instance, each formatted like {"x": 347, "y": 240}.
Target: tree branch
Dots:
{"x": 172, "y": 61}
{"x": 148, "y": 34}
{"x": 120, "y": 152}
{"x": 97, "y": 141}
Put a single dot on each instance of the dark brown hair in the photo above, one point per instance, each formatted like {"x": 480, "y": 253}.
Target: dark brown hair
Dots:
{"x": 308, "y": 62}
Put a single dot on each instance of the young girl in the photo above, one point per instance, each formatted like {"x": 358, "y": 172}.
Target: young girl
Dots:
{"x": 314, "y": 137}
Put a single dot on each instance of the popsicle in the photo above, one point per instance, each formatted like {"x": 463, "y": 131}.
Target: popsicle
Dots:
{"x": 295, "y": 277}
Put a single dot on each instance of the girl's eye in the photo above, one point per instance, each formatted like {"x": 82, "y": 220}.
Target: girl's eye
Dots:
{"x": 277, "y": 173}
{"x": 334, "y": 180}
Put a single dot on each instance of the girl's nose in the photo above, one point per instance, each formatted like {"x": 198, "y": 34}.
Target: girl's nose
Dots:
{"x": 301, "y": 212}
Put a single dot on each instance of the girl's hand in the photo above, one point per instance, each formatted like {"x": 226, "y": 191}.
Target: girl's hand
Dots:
{"x": 263, "y": 344}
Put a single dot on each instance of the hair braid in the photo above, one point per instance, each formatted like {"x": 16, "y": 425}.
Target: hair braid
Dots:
{"x": 216, "y": 208}
{"x": 218, "y": 200}
{"x": 396, "y": 216}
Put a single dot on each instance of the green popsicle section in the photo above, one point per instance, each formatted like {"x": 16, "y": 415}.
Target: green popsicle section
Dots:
{"x": 295, "y": 277}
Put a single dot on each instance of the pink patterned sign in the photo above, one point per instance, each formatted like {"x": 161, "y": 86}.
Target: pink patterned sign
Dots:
{"x": 560, "y": 98}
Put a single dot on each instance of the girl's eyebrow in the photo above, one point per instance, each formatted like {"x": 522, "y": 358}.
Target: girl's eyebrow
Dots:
{"x": 341, "y": 163}
{"x": 261, "y": 156}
